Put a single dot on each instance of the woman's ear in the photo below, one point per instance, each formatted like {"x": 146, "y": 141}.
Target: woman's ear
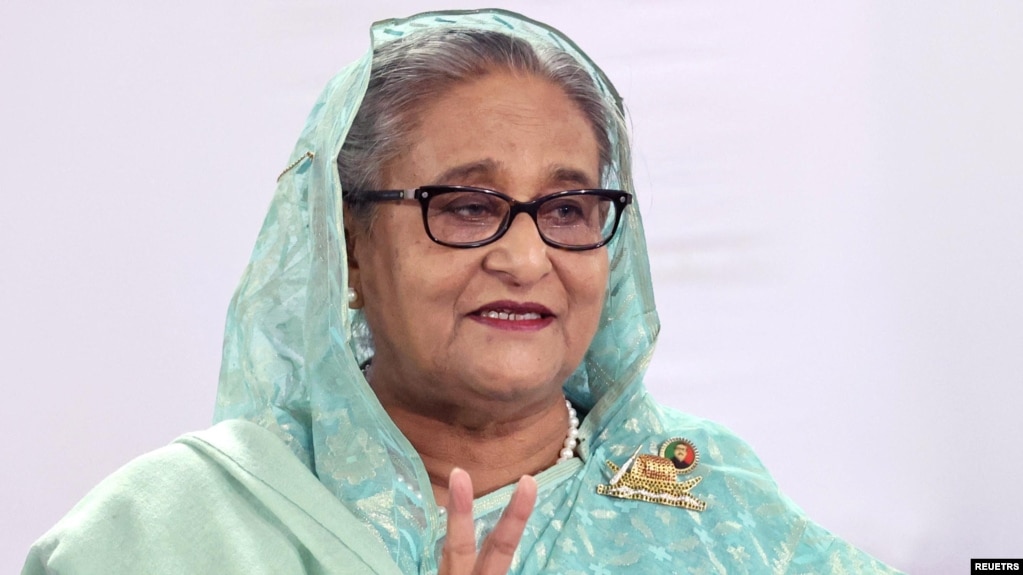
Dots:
{"x": 354, "y": 233}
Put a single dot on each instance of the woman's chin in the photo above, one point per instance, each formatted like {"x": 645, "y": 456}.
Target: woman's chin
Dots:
{"x": 515, "y": 386}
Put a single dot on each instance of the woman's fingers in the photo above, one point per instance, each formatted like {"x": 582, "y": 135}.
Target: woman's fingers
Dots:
{"x": 495, "y": 556}
{"x": 459, "y": 553}
{"x": 459, "y": 557}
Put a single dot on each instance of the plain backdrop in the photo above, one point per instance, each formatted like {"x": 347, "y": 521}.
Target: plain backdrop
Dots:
{"x": 832, "y": 190}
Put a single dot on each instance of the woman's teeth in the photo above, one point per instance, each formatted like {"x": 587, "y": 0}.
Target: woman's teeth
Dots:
{"x": 511, "y": 316}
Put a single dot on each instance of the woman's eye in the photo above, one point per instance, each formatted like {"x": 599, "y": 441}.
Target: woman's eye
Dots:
{"x": 469, "y": 210}
{"x": 569, "y": 211}
{"x": 469, "y": 206}
{"x": 565, "y": 212}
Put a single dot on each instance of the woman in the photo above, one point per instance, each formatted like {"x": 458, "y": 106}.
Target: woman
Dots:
{"x": 407, "y": 349}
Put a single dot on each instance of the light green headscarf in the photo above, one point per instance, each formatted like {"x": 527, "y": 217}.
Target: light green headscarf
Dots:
{"x": 293, "y": 348}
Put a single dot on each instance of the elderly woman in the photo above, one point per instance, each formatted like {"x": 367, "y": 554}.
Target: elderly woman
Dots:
{"x": 441, "y": 339}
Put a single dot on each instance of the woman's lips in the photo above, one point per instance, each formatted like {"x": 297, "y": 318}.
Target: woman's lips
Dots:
{"x": 493, "y": 314}
{"x": 514, "y": 315}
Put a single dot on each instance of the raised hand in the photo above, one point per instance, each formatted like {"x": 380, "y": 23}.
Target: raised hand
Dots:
{"x": 460, "y": 555}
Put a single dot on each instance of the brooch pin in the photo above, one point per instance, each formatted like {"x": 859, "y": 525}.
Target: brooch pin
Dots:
{"x": 654, "y": 478}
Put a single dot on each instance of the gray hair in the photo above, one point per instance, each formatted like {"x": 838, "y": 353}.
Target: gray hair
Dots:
{"x": 413, "y": 71}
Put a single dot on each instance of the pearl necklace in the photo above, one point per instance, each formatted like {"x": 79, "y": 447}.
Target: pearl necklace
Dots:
{"x": 572, "y": 439}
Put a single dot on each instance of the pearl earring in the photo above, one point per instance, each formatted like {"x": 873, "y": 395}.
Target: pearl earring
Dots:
{"x": 353, "y": 296}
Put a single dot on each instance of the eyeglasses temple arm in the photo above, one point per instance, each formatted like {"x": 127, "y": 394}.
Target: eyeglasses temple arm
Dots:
{"x": 384, "y": 195}
{"x": 409, "y": 194}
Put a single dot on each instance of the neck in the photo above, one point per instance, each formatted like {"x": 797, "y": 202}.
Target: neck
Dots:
{"x": 495, "y": 448}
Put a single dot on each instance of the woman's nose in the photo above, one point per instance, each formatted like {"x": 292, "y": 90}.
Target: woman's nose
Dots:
{"x": 521, "y": 253}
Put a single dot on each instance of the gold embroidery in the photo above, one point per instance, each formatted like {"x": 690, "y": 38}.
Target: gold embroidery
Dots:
{"x": 304, "y": 157}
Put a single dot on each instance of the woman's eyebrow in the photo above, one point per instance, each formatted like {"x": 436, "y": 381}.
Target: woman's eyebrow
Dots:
{"x": 487, "y": 167}
{"x": 566, "y": 175}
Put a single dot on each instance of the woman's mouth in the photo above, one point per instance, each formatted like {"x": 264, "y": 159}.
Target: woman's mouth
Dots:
{"x": 511, "y": 316}
{"x": 514, "y": 315}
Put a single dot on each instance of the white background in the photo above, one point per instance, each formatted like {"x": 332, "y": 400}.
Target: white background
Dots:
{"x": 832, "y": 190}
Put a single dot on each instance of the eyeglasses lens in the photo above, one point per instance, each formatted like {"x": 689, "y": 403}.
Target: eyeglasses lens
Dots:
{"x": 467, "y": 217}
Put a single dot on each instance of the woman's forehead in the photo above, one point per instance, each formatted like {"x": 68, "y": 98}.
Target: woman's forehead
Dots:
{"x": 492, "y": 168}
{"x": 500, "y": 130}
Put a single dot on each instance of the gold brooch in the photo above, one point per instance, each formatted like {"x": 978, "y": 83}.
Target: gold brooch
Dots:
{"x": 654, "y": 478}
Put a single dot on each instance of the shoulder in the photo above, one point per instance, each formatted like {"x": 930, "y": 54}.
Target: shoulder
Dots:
{"x": 719, "y": 447}
{"x": 175, "y": 477}
{"x": 746, "y": 509}
{"x": 135, "y": 518}
{"x": 231, "y": 499}
{"x": 820, "y": 551}
{"x": 718, "y": 444}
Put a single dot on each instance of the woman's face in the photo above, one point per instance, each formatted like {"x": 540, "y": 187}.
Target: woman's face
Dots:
{"x": 507, "y": 322}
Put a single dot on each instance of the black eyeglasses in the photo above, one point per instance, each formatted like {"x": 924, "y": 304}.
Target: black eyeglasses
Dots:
{"x": 467, "y": 217}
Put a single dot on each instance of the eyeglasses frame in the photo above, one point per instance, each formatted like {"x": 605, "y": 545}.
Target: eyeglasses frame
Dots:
{"x": 424, "y": 194}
